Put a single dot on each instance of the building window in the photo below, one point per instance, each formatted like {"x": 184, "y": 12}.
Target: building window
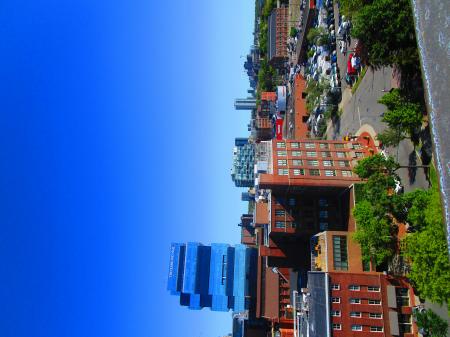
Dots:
{"x": 311, "y": 154}
{"x": 314, "y": 172}
{"x": 293, "y": 225}
{"x": 299, "y": 172}
{"x": 338, "y": 146}
{"x": 355, "y": 301}
{"x": 374, "y": 302}
{"x": 323, "y": 226}
{"x": 404, "y": 321}
{"x": 282, "y": 162}
{"x": 373, "y": 288}
{"x": 324, "y": 146}
{"x": 323, "y": 214}
{"x": 291, "y": 201}
{"x": 297, "y": 162}
{"x": 281, "y": 145}
{"x": 356, "y": 327}
{"x": 340, "y": 154}
{"x": 327, "y": 163}
{"x": 326, "y": 154}
{"x": 356, "y": 146}
{"x": 356, "y": 314}
{"x": 330, "y": 173}
{"x": 353, "y": 287}
{"x": 310, "y": 145}
{"x": 402, "y": 295}
{"x": 346, "y": 173}
{"x": 340, "y": 258}
{"x": 343, "y": 163}
{"x": 376, "y": 329}
{"x": 359, "y": 154}
{"x": 295, "y": 145}
{"x": 335, "y": 300}
{"x": 280, "y": 212}
{"x": 323, "y": 202}
{"x": 224, "y": 269}
{"x": 335, "y": 286}
{"x": 283, "y": 172}
{"x": 280, "y": 224}
{"x": 296, "y": 153}
{"x": 313, "y": 163}
{"x": 375, "y": 315}
{"x": 336, "y": 313}
{"x": 281, "y": 153}
{"x": 337, "y": 326}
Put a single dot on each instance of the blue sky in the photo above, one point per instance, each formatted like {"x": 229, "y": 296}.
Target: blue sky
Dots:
{"x": 116, "y": 136}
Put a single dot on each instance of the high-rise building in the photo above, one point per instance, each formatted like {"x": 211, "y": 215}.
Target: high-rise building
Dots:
{"x": 242, "y": 171}
{"x": 219, "y": 276}
{"x": 245, "y": 103}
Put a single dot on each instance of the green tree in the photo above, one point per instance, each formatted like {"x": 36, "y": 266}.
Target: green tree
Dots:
{"x": 377, "y": 163}
{"x": 391, "y": 137}
{"x": 431, "y": 324}
{"x": 350, "y": 7}
{"x": 293, "y": 32}
{"x": 386, "y": 29}
{"x": 372, "y": 233}
{"x": 317, "y": 36}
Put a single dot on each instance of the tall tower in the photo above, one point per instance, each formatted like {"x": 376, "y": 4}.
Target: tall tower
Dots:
{"x": 245, "y": 103}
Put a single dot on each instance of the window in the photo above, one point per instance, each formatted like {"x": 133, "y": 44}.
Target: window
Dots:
{"x": 299, "y": 172}
{"x": 375, "y": 315}
{"x": 374, "y": 302}
{"x": 373, "y": 288}
{"x": 323, "y": 214}
{"x": 280, "y": 212}
{"x": 295, "y": 145}
{"x": 359, "y": 154}
{"x": 283, "y": 172}
{"x": 343, "y": 163}
{"x": 346, "y": 173}
{"x": 293, "y": 225}
{"x": 335, "y": 300}
{"x": 323, "y": 226}
{"x": 324, "y": 146}
{"x": 311, "y": 154}
{"x": 340, "y": 154}
{"x": 313, "y": 163}
{"x": 336, "y": 313}
{"x": 356, "y": 146}
{"x": 337, "y": 326}
{"x": 330, "y": 173}
{"x": 297, "y": 162}
{"x": 354, "y": 287}
{"x": 356, "y": 314}
{"x": 356, "y": 327}
{"x": 310, "y": 145}
{"x": 296, "y": 153}
{"x": 327, "y": 163}
{"x": 376, "y": 329}
{"x": 281, "y": 153}
{"x": 291, "y": 201}
{"x": 338, "y": 146}
{"x": 340, "y": 259}
{"x": 335, "y": 287}
{"x": 323, "y": 202}
{"x": 280, "y": 224}
{"x": 326, "y": 154}
{"x": 282, "y": 162}
{"x": 355, "y": 301}
{"x": 402, "y": 295}
{"x": 281, "y": 145}
{"x": 314, "y": 172}
{"x": 224, "y": 269}
{"x": 404, "y": 321}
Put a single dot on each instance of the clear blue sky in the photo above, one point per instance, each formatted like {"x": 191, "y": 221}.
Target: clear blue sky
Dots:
{"x": 116, "y": 138}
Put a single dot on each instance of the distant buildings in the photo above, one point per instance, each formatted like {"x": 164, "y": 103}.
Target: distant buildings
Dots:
{"x": 245, "y": 103}
{"x": 242, "y": 171}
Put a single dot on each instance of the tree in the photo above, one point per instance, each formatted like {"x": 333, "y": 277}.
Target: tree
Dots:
{"x": 386, "y": 29}
{"x": 377, "y": 163}
{"x": 391, "y": 137}
{"x": 293, "y": 32}
{"x": 317, "y": 36}
{"x": 431, "y": 324}
{"x": 372, "y": 233}
{"x": 350, "y": 7}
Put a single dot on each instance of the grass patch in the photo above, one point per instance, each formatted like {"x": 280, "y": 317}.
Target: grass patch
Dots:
{"x": 358, "y": 81}
{"x": 434, "y": 179}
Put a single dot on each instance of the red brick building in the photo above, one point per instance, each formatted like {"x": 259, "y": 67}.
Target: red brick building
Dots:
{"x": 277, "y": 36}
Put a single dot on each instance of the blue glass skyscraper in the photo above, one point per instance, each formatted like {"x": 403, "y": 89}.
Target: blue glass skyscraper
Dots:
{"x": 219, "y": 276}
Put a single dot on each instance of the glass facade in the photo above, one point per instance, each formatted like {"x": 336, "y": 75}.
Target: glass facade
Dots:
{"x": 242, "y": 172}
